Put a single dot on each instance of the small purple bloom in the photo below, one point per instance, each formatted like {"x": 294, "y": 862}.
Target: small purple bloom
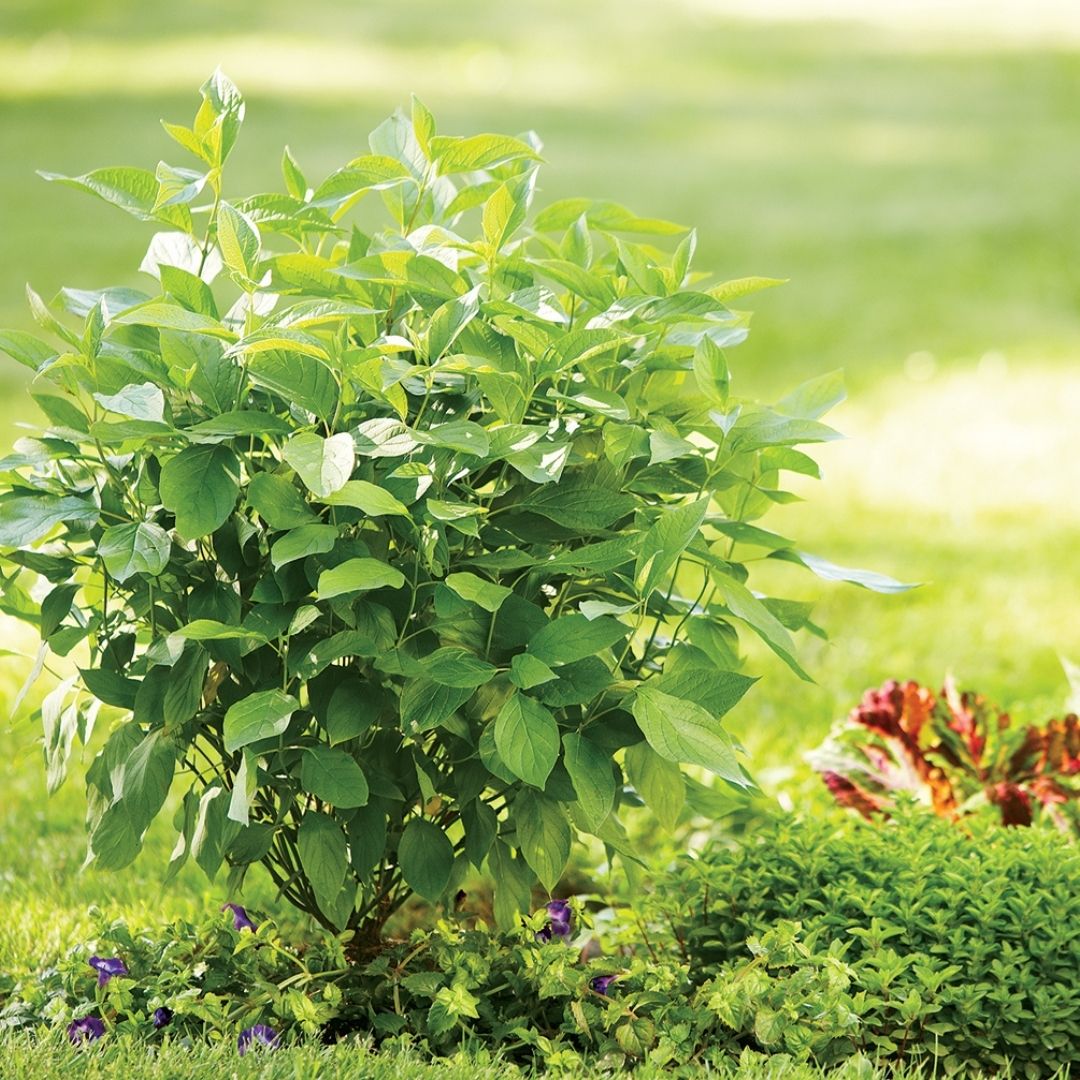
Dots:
{"x": 558, "y": 925}
{"x": 240, "y": 917}
{"x": 107, "y": 967}
{"x": 162, "y": 1016}
{"x": 259, "y": 1035}
{"x": 88, "y": 1029}
{"x": 602, "y": 983}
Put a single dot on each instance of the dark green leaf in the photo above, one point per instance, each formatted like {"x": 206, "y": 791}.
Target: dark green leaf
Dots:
{"x": 543, "y": 834}
{"x": 426, "y": 857}
{"x": 527, "y": 739}
{"x": 200, "y": 485}
{"x": 333, "y": 776}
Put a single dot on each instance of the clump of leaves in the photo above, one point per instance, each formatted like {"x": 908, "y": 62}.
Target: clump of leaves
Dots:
{"x": 955, "y": 753}
{"x": 410, "y": 549}
{"x": 961, "y": 945}
{"x": 534, "y": 1000}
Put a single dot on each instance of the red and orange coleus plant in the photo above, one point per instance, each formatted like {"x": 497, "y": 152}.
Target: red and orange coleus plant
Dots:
{"x": 954, "y": 752}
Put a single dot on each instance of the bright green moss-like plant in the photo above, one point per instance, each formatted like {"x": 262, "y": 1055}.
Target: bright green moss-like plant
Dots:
{"x": 960, "y": 946}
{"x": 408, "y": 548}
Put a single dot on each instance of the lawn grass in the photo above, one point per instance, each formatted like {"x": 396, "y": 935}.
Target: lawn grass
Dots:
{"x": 918, "y": 191}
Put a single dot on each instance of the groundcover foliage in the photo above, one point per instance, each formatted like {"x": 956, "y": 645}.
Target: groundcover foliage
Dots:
{"x": 409, "y": 548}
{"x": 842, "y": 945}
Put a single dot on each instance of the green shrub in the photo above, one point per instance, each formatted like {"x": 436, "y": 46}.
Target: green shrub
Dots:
{"x": 407, "y": 548}
{"x": 960, "y": 945}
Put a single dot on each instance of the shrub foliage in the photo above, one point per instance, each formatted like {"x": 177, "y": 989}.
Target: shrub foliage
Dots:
{"x": 960, "y": 947}
{"x": 411, "y": 546}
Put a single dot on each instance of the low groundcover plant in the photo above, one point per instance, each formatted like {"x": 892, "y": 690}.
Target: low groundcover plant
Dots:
{"x": 412, "y": 546}
{"x": 957, "y": 948}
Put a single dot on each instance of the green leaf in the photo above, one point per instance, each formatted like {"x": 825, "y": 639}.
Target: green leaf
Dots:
{"x": 658, "y": 781}
{"x": 323, "y": 464}
{"x": 373, "y": 500}
{"x": 226, "y": 107}
{"x": 449, "y": 321}
{"x": 352, "y": 709}
{"x": 426, "y": 857}
{"x": 591, "y": 774}
{"x": 133, "y": 190}
{"x": 333, "y": 776}
{"x": 147, "y": 777}
{"x": 580, "y": 507}
{"x": 815, "y": 397}
{"x": 165, "y": 316}
{"x": 574, "y": 637}
{"x": 141, "y": 548}
{"x": 732, "y": 290}
{"x": 301, "y": 542}
{"x": 358, "y": 575}
{"x": 711, "y": 371}
{"x": 742, "y": 603}
{"x": 513, "y": 882}
{"x": 425, "y": 704}
{"x": 324, "y": 857}
{"x": 239, "y": 422}
{"x": 505, "y": 211}
{"x": 295, "y": 181}
{"x": 296, "y": 378}
{"x": 25, "y": 348}
{"x": 200, "y": 485}
{"x": 212, "y": 630}
{"x": 527, "y": 739}
{"x": 262, "y": 715}
{"x": 526, "y": 671}
{"x": 665, "y": 541}
{"x": 683, "y": 732}
{"x": 452, "y": 666}
{"x": 600, "y": 214}
{"x": 115, "y": 841}
{"x": 481, "y": 827}
{"x": 183, "y": 689}
{"x": 544, "y": 835}
{"x": 867, "y": 579}
{"x": 238, "y": 238}
{"x": 278, "y": 502}
{"x": 25, "y": 519}
{"x": 461, "y": 435}
{"x": 142, "y": 401}
{"x": 110, "y": 687}
{"x": 477, "y": 590}
{"x": 756, "y": 430}
{"x": 453, "y": 154}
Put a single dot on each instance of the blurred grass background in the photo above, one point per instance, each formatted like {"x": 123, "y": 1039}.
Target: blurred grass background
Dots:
{"x": 914, "y": 176}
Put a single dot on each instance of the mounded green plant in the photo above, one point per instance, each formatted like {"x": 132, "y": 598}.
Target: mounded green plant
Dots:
{"x": 961, "y": 946}
{"x": 412, "y": 548}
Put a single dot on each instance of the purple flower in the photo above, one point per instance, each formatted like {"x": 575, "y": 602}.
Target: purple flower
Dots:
{"x": 107, "y": 967}
{"x": 240, "y": 917}
{"x": 558, "y": 925}
{"x": 88, "y": 1029}
{"x": 259, "y": 1035}
{"x": 602, "y": 983}
{"x": 162, "y": 1016}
